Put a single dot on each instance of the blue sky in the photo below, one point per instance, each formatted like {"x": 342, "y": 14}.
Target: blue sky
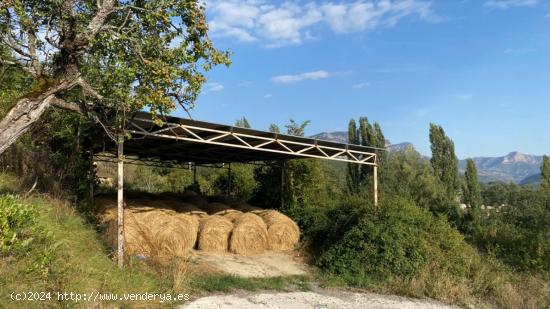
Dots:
{"x": 481, "y": 69}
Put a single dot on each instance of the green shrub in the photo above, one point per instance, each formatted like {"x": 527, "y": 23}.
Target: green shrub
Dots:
{"x": 519, "y": 234}
{"x": 399, "y": 238}
{"x": 21, "y": 235}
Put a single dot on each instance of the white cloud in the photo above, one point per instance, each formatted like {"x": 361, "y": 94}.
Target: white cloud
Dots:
{"x": 547, "y": 15}
{"x": 361, "y": 85}
{"x": 213, "y": 87}
{"x": 289, "y": 79}
{"x": 268, "y": 96}
{"x": 506, "y": 4}
{"x": 292, "y": 23}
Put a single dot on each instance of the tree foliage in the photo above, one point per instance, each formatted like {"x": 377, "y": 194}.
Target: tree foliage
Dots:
{"x": 545, "y": 174}
{"x": 444, "y": 161}
{"x": 472, "y": 192}
{"x": 105, "y": 55}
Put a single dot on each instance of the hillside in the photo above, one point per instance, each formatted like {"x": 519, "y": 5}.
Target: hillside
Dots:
{"x": 514, "y": 167}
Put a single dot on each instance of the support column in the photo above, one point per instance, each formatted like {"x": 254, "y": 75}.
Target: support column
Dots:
{"x": 120, "y": 200}
{"x": 375, "y": 179}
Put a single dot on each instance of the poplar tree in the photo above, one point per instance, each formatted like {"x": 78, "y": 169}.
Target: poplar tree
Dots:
{"x": 352, "y": 178}
{"x": 243, "y": 123}
{"x": 472, "y": 194}
{"x": 444, "y": 161}
{"x": 545, "y": 174}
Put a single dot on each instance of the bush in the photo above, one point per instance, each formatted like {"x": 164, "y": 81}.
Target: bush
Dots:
{"x": 519, "y": 234}
{"x": 399, "y": 238}
{"x": 21, "y": 235}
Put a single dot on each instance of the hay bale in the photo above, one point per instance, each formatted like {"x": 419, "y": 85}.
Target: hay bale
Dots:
{"x": 214, "y": 234}
{"x": 137, "y": 236}
{"x": 232, "y": 215}
{"x": 283, "y": 233}
{"x": 175, "y": 234}
{"x": 245, "y": 207}
{"x": 249, "y": 236}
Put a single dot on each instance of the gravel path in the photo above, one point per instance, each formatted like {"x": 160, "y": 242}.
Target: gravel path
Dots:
{"x": 304, "y": 300}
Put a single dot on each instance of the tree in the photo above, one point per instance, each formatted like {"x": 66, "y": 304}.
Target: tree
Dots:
{"x": 293, "y": 128}
{"x": 472, "y": 196}
{"x": 274, "y": 128}
{"x": 117, "y": 55}
{"x": 353, "y": 173}
{"x": 444, "y": 161}
{"x": 545, "y": 174}
{"x": 243, "y": 123}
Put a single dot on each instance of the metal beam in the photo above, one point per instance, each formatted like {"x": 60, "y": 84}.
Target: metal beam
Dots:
{"x": 242, "y": 141}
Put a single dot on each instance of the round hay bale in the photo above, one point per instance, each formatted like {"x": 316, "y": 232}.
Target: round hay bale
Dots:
{"x": 249, "y": 236}
{"x": 232, "y": 214}
{"x": 214, "y": 234}
{"x": 136, "y": 235}
{"x": 245, "y": 207}
{"x": 174, "y": 235}
{"x": 283, "y": 233}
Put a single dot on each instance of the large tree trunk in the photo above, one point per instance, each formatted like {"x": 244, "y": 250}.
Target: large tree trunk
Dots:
{"x": 19, "y": 119}
{"x": 29, "y": 109}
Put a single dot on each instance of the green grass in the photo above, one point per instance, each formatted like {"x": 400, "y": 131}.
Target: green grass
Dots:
{"x": 228, "y": 283}
{"x": 79, "y": 262}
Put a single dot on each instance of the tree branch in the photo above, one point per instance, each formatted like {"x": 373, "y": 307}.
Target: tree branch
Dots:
{"x": 88, "y": 89}
{"x": 62, "y": 104}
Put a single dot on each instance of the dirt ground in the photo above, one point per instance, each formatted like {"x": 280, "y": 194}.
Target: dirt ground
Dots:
{"x": 317, "y": 299}
{"x": 268, "y": 264}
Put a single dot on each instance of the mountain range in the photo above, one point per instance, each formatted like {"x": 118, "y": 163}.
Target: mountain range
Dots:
{"x": 516, "y": 167}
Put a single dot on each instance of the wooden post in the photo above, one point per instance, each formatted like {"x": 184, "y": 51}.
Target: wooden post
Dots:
{"x": 375, "y": 186}
{"x": 120, "y": 212}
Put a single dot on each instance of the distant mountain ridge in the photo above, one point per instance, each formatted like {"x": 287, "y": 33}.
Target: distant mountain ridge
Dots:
{"x": 514, "y": 167}
{"x": 517, "y": 167}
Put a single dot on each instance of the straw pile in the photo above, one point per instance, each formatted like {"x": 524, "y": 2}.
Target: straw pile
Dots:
{"x": 283, "y": 233}
{"x": 249, "y": 236}
{"x": 214, "y": 234}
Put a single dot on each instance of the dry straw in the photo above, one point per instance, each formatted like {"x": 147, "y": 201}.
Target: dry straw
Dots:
{"x": 214, "y": 234}
{"x": 176, "y": 233}
{"x": 249, "y": 236}
{"x": 283, "y": 233}
{"x": 231, "y": 214}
